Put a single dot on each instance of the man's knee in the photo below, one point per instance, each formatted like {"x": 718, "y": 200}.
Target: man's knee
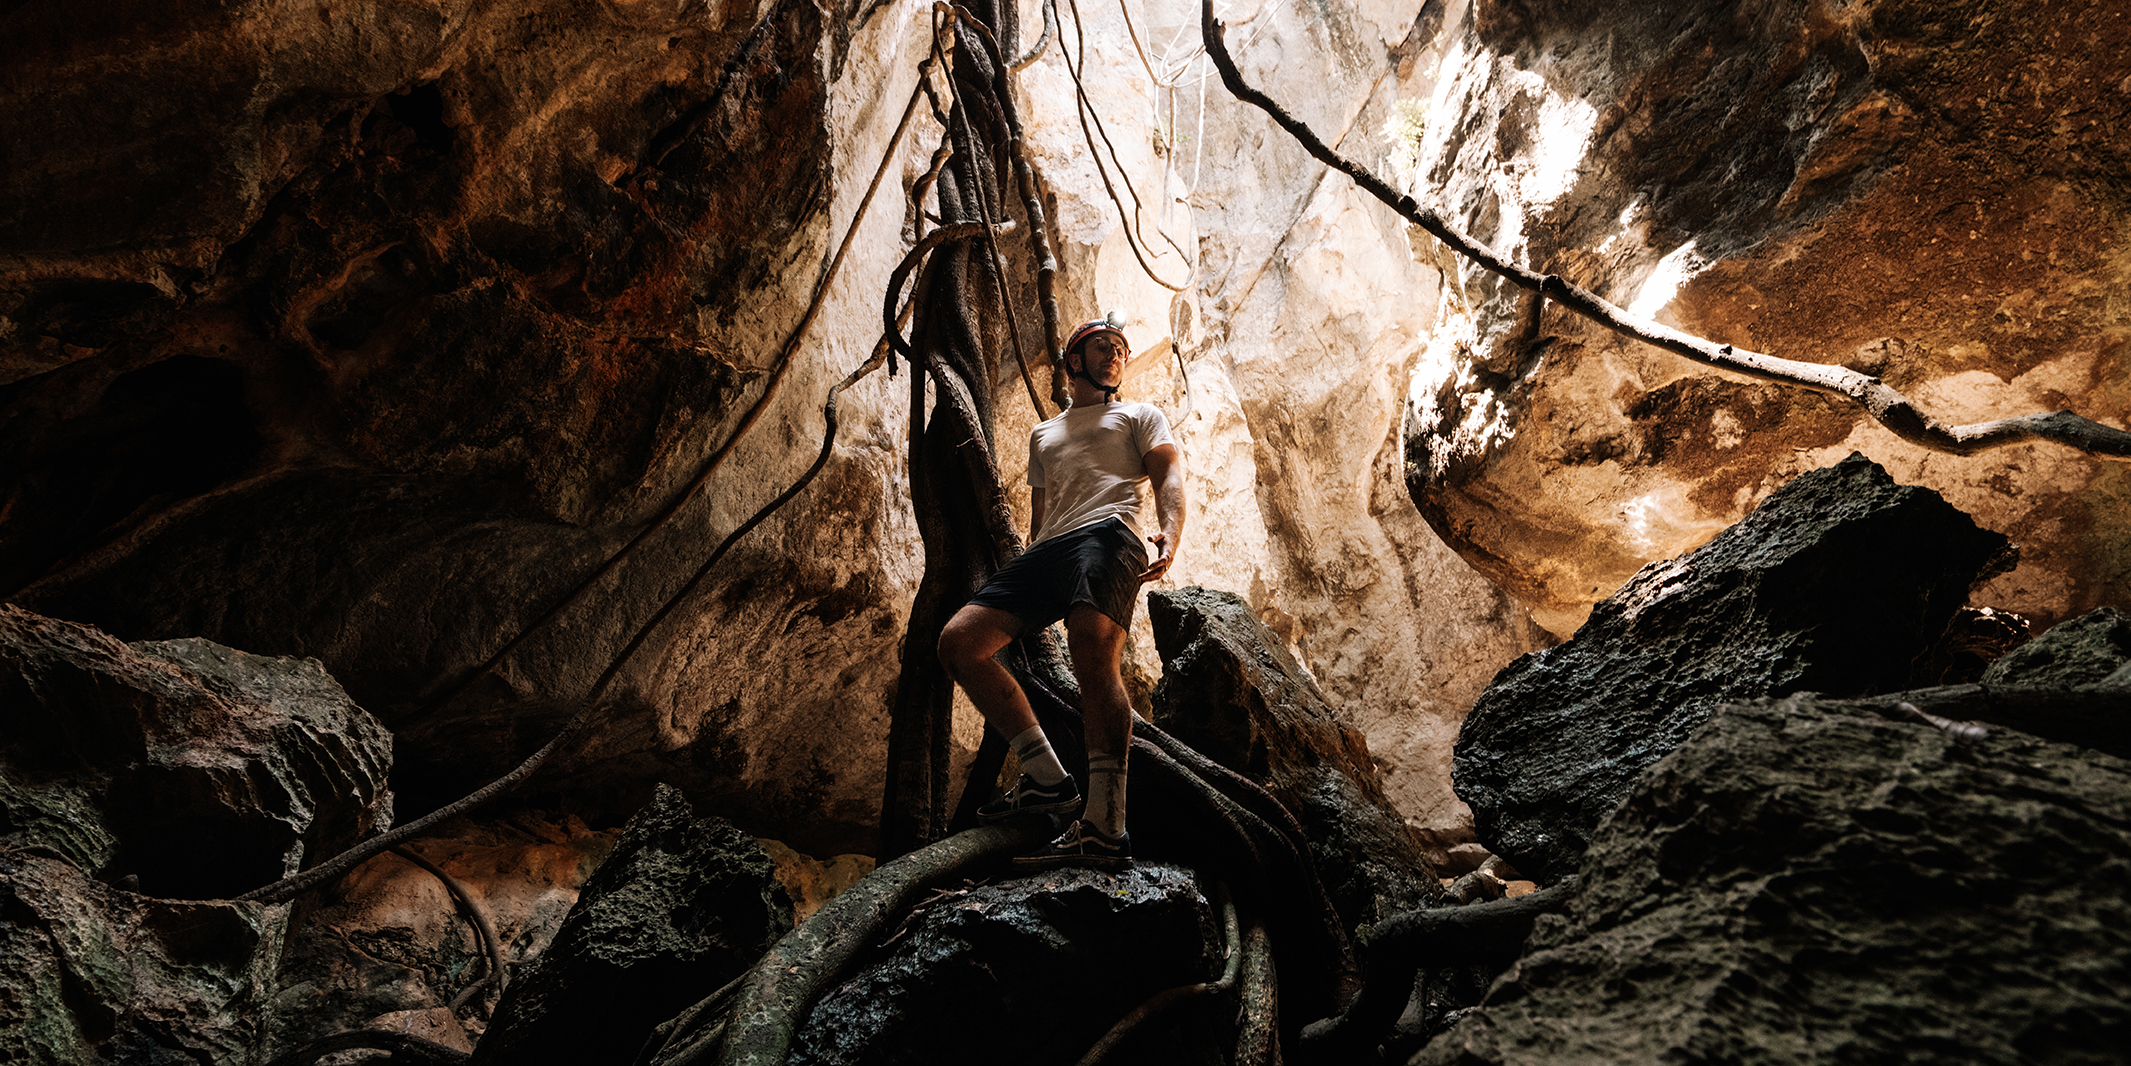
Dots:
{"x": 969, "y": 637}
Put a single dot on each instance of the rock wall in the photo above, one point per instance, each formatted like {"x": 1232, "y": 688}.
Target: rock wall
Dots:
{"x": 1928, "y": 195}
{"x": 418, "y": 312}
{"x": 1283, "y": 364}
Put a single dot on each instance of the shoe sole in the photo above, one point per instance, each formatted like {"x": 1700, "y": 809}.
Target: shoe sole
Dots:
{"x": 1058, "y": 808}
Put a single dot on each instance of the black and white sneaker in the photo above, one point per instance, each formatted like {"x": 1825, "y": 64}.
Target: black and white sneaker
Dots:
{"x": 1080, "y": 845}
{"x": 1028, "y": 797}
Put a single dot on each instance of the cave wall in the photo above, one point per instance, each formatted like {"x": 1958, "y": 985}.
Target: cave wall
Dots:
{"x": 364, "y": 331}
{"x": 1932, "y": 195}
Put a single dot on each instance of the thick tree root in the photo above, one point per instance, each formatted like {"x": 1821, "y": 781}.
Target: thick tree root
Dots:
{"x": 1881, "y": 401}
{"x": 411, "y": 1050}
{"x": 1163, "y": 1000}
{"x": 1258, "y": 1022}
{"x": 802, "y": 966}
{"x": 1489, "y": 933}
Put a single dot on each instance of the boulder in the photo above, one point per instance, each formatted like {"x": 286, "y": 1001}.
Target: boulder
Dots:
{"x": 1032, "y": 970}
{"x": 1898, "y": 187}
{"x": 684, "y": 904}
{"x": 1230, "y": 689}
{"x": 196, "y": 770}
{"x": 2080, "y": 653}
{"x": 386, "y": 946}
{"x": 93, "y": 975}
{"x": 1835, "y": 584}
{"x": 1805, "y": 882}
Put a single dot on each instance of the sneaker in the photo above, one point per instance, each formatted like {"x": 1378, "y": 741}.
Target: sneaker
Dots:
{"x": 1028, "y": 797}
{"x": 1080, "y": 845}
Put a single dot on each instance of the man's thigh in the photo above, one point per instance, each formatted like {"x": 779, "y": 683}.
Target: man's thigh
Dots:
{"x": 1095, "y": 643}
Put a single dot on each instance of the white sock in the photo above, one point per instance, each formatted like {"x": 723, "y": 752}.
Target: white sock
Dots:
{"x": 1106, "y": 794}
{"x": 1037, "y": 758}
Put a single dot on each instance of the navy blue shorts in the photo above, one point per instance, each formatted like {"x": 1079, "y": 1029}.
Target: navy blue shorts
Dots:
{"x": 1097, "y": 564}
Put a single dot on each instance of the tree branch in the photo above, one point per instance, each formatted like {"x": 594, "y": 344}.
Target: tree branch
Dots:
{"x": 1881, "y": 401}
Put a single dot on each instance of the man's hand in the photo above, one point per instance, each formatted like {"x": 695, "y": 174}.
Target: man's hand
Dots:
{"x": 1163, "y": 556}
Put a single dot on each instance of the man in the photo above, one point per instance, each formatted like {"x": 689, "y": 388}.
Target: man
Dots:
{"x": 1085, "y": 565}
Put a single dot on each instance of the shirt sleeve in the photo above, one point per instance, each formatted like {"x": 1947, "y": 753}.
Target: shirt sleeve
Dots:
{"x": 1152, "y": 428}
{"x": 1035, "y": 475}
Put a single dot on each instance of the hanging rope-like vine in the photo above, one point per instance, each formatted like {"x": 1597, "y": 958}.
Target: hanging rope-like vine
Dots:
{"x": 1888, "y": 406}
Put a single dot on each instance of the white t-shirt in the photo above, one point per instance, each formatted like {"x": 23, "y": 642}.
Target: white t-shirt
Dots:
{"x": 1090, "y": 463}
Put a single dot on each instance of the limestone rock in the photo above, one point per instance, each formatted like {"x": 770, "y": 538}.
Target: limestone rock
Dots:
{"x": 416, "y": 313}
{"x": 2079, "y": 653}
{"x": 1799, "y": 884}
{"x": 388, "y": 941}
{"x": 684, "y": 904}
{"x": 1036, "y": 969}
{"x": 201, "y": 771}
{"x": 1834, "y": 584}
{"x": 1230, "y": 690}
{"x": 1888, "y": 186}
{"x": 93, "y": 975}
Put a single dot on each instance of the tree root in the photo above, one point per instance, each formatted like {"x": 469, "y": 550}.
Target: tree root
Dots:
{"x": 701, "y": 1024}
{"x": 1258, "y": 1021}
{"x": 411, "y": 1050}
{"x": 1399, "y": 946}
{"x": 484, "y": 929}
{"x": 1889, "y": 407}
{"x": 786, "y": 982}
{"x": 1163, "y": 1000}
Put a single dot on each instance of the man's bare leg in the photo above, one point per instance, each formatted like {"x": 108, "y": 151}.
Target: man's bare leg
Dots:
{"x": 967, "y": 645}
{"x": 1096, "y": 644}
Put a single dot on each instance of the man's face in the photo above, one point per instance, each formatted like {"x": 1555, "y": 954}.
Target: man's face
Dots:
{"x": 1103, "y": 358}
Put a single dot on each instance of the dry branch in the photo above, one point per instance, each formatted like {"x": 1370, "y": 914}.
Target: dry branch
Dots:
{"x": 1881, "y": 401}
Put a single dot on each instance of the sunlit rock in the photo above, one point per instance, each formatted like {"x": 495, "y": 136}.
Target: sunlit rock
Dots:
{"x": 1904, "y": 189}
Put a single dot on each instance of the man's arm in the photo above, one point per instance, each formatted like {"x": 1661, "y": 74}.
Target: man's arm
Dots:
{"x": 1165, "y": 471}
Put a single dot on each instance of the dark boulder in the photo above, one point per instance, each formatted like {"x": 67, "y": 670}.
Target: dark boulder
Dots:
{"x": 683, "y": 905}
{"x": 1808, "y": 882}
{"x": 1230, "y": 689}
{"x": 92, "y": 975}
{"x": 1837, "y": 583}
{"x": 176, "y": 769}
{"x": 1031, "y": 971}
{"x": 2082, "y": 652}
{"x": 199, "y": 771}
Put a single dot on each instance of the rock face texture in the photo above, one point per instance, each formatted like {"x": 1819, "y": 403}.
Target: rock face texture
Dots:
{"x": 93, "y": 974}
{"x": 683, "y": 905}
{"x": 1799, "y": 883}
{"x": 1298, "y": 334}
{"x": 416, "y": 314}
{"x": 1041, "y": 965}
{"x": 2092, "y": 649}
{"x": 387, "y": 946}
{"x": 139, "y": 785}
{"x": 198, "y": 771}
{"x": 1834, "y": 584}
{"x": 1230, "y": 691}
{"x": 1928, "y": 195}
